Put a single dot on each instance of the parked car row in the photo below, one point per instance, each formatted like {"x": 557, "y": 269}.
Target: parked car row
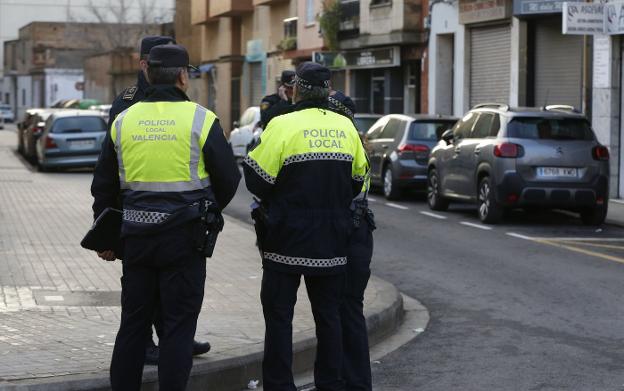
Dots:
{"x": 61, "y": 138}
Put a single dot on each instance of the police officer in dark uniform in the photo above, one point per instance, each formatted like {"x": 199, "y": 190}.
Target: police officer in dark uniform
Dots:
{"x": 136, "y": 93}
{"x": 127, "y": 98}
{"x": 279, "y": 103}
{"x": 356, "y": 361}
{"x": 168, "y": 161}
{"x": 306, "y": 169}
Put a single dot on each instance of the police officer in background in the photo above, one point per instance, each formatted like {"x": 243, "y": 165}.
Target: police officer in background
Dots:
{"x": 356, "y": 361}
{"x": 307, "y": 168}
{"x": 127, "y": 98}
{"x": 136, "y": 93}
{"x": 279, "y": 103}
{"x": 168, "y": 160}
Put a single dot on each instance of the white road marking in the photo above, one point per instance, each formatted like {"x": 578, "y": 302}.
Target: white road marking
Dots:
{"x": 564, "y": 239}
{"x": 53, "y": 298}
{"x": 435, "y": 216}
{"x": 618, "y": 201}
{"x": 483, "y": 227}
{"x": 371, "y": 199}
{"x": 519, "y": 236}
{"x": 390, "y": 204}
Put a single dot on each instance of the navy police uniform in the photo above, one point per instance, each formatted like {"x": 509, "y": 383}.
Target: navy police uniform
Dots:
{"x": 356, "y": 361}
{"x": 273, "y": 105}
{"x": 166, "y": 184}
{"x": 307, "y": 168}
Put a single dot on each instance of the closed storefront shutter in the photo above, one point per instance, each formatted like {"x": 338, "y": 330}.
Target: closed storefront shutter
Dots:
{"x": 490, "y": 65}
{"x": 255, "y": 83}
{"x": 558, "y": 65}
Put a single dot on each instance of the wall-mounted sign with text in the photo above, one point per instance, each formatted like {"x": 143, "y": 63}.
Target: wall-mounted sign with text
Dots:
{"x": 593, "y": 18}
{"x": 370, "y": 58}
{"x": 583, "y": 18}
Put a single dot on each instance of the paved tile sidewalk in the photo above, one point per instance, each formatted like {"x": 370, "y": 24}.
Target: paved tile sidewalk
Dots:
{"x": 59, "y": 303}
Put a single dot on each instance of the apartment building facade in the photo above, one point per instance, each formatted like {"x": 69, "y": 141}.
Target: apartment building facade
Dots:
{"x": 515, "y": 52}
{"x": 243, "y": 46}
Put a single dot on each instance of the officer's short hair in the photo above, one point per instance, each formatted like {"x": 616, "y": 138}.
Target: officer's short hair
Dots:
{"x": 315, "y": 93}
{"x": 160, "y": 75}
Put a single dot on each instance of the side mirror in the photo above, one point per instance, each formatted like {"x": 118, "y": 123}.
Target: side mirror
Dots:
{"x": 447, "y": 136}
{"x": 234, "y": 124}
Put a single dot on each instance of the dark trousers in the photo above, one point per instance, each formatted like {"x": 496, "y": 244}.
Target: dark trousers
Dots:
{"x": 279, "y": 295}
{"x": 356, "y": 360}
{"x": 161, "y": 270}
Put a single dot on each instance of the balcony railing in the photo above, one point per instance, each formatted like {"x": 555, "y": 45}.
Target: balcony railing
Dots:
{"x": 349, "y": 19}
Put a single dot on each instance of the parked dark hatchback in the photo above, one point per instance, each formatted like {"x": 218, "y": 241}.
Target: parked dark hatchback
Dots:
{"x": 398, "y": 147}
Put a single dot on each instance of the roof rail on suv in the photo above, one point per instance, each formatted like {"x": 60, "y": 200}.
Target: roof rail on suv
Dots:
{"x": 566, "y": 108}
{"x": 501, "y": 106}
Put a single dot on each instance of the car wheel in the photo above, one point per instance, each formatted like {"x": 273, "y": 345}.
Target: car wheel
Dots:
{"x": 390, "y": 189}
{"x": 434, "y": 196}
{"x": 490, "y": 211}
{"x": 594, "y": 216}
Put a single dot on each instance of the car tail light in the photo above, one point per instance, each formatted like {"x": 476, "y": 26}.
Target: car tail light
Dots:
{"x": 507, "y": 150}
{"x": 49, "y": 143}
{"x": 421, "y": 151}
{"x": 37, "y": 130}
{"x": 600, "y": 152}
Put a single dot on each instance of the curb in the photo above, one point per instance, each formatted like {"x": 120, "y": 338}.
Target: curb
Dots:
{"x": 241, "y": 365}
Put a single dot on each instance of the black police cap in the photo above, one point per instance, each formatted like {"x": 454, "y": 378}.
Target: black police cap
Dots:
{"x": 169, "y": 56}
{"x": 338, "y": 101}
{"x": 150, "y": 41}
{"x": 288, "y": 78}
{"x": 311, "y": 74}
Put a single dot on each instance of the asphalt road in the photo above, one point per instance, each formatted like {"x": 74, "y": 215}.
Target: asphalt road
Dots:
{"x": 535, "y": 303}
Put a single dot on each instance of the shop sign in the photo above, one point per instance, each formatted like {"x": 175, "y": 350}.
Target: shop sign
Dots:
{"x": 533, "y": 7}
{"x": 583, "y": 18}
{"x": 370, "y": 58}
{"x": 614, "y": 17}
{"x": 477, "y": 11}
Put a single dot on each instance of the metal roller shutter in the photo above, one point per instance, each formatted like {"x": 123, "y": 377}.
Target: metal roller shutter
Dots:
{"x": 490, "y": 66}
{"x": 255, "y": 83}
{"x": 558, "y": 65}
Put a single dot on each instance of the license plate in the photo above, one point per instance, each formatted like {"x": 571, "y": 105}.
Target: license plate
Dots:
{"x": 82, "y": 144}
{"x": 555, "y": 172}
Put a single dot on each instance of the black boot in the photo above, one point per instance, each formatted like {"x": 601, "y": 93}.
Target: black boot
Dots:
{"x": 200, "y": 348}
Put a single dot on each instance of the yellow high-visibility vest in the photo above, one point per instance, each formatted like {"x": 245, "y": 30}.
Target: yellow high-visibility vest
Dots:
{"x": 159, "y": 146}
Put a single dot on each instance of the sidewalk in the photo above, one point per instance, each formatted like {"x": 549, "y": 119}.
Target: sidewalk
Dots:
{"x": 615, "y": 215}
{"x": 59, "y": 304}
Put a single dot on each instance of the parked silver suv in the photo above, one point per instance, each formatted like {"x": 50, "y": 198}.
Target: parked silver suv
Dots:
{"x": 504, "y": 158}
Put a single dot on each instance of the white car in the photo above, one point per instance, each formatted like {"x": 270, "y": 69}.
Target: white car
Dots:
{"x": 242, "y": 136}
{"x": 6, "y": 113}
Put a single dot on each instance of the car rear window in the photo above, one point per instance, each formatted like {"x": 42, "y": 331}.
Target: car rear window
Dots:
{"x": 550, "y": 129}
{"x": 79, "y": 125}
{"x": 363, "y": 124}
{"x": 428, "y": 130}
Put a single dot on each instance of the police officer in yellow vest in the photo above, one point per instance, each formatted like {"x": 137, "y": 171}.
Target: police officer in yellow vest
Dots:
{"x": 169, "y": 162}
{"x": 307, "y": 168}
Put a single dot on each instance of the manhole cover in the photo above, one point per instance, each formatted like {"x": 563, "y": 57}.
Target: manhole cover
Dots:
{"x": 78, "y": 298}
